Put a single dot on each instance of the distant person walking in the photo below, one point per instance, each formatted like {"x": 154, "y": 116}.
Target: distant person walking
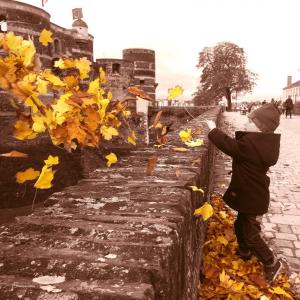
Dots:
{"x": 288, "y": 105}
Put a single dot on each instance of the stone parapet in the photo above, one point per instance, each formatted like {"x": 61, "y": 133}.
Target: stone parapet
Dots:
{"x": 118, "y": 233}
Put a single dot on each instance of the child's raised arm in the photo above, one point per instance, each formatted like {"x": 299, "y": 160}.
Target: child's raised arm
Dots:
{"x": 222, "y": 141}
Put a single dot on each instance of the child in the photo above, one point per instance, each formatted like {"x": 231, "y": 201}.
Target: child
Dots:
{"x": 253, "y": 151}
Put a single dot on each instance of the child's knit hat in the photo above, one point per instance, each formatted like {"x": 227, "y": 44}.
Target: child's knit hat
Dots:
{"x": 266, "y": 118}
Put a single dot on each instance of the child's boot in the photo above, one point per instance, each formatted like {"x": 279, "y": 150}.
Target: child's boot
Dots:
{"x": 273, "y": 270}
{"x": 244, "y": 254}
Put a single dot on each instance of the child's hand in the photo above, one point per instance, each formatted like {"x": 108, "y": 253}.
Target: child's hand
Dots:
{"x": 211, "y": 124}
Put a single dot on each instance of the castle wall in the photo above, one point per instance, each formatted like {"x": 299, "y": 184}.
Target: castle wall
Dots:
{"x": 28, "y": 21}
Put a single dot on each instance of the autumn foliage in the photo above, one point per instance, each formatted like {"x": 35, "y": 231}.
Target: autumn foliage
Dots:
{"x": 224, "y": 274}
{"x": 75, "y": 117}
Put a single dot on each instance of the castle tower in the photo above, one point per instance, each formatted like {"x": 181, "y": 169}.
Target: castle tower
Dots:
{"x": 119, "y": 74}
{"x": 83, "y": 40}
{"x": 144, "y": 68}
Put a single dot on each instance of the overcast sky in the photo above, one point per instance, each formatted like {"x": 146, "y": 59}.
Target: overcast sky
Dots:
{"x": 178, "y": 30}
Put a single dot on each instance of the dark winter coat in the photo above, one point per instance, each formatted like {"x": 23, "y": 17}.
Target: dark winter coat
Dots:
{"x": 288, "y": 104}
{"x": 253, "y": 153}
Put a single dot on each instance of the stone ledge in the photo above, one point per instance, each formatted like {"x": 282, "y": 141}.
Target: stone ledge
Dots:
{"x": 117, "y": 234}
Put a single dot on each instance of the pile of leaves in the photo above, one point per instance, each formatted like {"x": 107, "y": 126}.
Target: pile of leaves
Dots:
{"x": 226, "y": 276}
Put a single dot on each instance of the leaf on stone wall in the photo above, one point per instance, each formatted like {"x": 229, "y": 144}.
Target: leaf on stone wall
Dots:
{"x": 111, "y": 159}
{"x": 151, "y": 164}
{"x": 185, "y": 135}
{"x": 194, "y": 143}
{"x": 180, "y": 149}
{"x": 196, "y": 189}
{"x": 28, "y": 174}
{"x": 14, "y": 153}
{"x": 196, "y": 132}
{"x": 131, "y": 139}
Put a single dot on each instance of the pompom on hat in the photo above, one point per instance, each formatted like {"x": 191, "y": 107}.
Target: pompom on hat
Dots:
{"x": 266, "y": 118}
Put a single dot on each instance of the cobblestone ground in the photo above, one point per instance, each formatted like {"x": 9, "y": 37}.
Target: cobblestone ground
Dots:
{"x": 281, "y": 225}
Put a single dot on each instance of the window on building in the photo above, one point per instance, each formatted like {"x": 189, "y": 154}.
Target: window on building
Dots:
{"x": 57, "y": 48}
{"x": 116, "y": 68}
{"x": 142, "y": 81}
{"x": 50, "y": 50}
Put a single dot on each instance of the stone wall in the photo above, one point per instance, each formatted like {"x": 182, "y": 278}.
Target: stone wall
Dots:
{"x": 118, "y": 233}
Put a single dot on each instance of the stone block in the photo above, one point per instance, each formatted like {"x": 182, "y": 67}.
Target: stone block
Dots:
{"x": 286, "y": 236}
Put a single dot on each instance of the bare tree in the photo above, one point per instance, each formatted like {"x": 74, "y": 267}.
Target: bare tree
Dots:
{"x": 224, "y": 71}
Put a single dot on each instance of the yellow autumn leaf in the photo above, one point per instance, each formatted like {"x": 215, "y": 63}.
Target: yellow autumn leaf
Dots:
{"x": 45, "y": 179}
{"x": 27, "y": 52}
{"x": 126, "y": 113}
{"x": 235, "y": 264}
{"x": 206, "y": 211}
{"x": 279, "y": 291}
{"x": 222, "y": 240}
{"x": 55, "y": 80}
{"x": 29, "y": 103}
{"x": 185, "y": 135}
{"x": 14, "y": 153}
{"x": 225, "y": 280}
{"x": 223, "y": 214}
{"x": 51, "y": 160}
{"x": 23, "y": 130}
{"x": 111, "y": 159}
{"x": 83, "y": 65}
{"x": 42, "y": 86}
{"x": 12, "y": 42}
{"x": 94, "y": 86}
{"x": 60, "y": 63}
{"x": 28, "y": 174}
{"x": 102, "y": 76}
{"x": 174, "y": 92}
{"x": 180, "y": 149}
{"x": 108, "y": 132}
{"x": 38, "y": 124}
{"x": 196, "y": 189}
{"x": 60, "y": 108}
{"x": 109, "y": 95}
{"x": 237, "y": 286}
{"x": 45, "y": 37}
{"x": 131, "y": 139}
{"x": 194, "y": 143}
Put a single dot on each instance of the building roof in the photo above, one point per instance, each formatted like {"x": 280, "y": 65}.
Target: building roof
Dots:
{"x": 295, "y": 84}
{"x": 79, "y": 23}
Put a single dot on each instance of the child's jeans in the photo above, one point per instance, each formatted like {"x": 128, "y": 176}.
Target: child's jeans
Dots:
{"x": 247, "y": 230}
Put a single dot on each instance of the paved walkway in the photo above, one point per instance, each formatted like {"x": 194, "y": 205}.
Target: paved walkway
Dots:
{"x": 281, "y": 225}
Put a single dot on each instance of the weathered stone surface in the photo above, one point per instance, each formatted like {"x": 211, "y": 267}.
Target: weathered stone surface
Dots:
{"x": 118, "y": 233}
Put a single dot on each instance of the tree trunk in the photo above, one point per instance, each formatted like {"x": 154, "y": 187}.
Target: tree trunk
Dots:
{"x": 228, "y": 98}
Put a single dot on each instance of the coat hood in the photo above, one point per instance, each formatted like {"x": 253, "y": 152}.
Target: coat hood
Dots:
{"x": 262, "y": 149}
